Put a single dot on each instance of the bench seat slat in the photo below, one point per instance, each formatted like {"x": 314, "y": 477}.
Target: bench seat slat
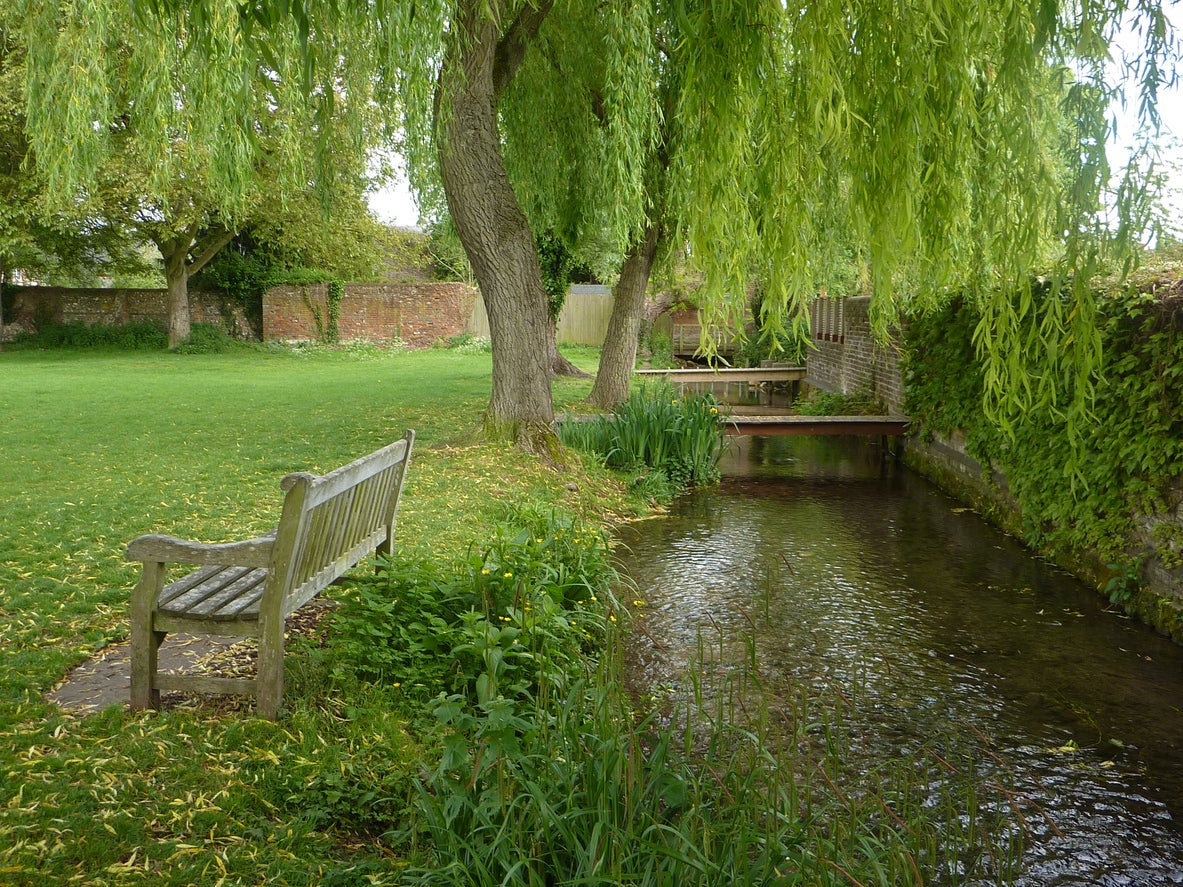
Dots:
{"x": 216, "y": 593}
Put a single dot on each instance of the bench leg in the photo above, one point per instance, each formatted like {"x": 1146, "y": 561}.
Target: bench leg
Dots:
{"x": 145, "y": 643}
{"x": 269, "y": 677}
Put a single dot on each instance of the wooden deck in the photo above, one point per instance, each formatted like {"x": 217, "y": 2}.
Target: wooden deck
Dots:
{"x": 759, "y": 424}
{"x": 732, "y": 382}
{"x": 752, "y": 376}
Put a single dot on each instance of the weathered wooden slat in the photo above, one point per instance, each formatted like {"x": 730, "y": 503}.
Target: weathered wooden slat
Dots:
{"x": 246, "y": 626}
{"x": 192, "y": 591}
{"x": 892, "y": 426}
{"x": 729, "y": 374}
{"x": 205, "y": 684}
{"x": 223, "y": 594}
{"x": 329, "y": 485}
{"x": 329, "y": 573}
{"x": 171, "y": 550}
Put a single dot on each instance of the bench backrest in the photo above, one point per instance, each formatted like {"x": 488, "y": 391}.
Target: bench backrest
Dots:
{"x": 332, "y": 521}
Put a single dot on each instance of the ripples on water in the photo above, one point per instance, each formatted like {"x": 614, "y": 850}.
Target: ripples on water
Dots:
{"x": 866, "y": 576}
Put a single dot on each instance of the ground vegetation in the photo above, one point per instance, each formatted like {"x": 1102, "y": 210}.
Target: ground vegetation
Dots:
{"x": 459, "y": 717}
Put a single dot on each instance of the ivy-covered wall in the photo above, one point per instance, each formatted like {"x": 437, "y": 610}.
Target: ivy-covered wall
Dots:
{"x": 1105, "y": 497}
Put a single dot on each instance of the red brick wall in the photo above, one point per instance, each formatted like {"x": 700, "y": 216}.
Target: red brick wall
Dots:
{"x": 852, "y": 361}
{"x": 418, "y": 313}
{"x": 115, "y": 307}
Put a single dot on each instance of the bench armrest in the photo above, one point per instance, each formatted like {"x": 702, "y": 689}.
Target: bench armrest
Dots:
{"x": 171, "y": 550}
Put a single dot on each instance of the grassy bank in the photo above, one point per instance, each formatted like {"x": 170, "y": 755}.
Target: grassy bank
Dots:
{"x": 459, "y": 720}
{"x": 99, "y": 447}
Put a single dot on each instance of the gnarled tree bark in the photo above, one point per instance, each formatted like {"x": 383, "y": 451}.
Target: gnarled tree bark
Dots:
{"x": 624, "y": 326}
{"x": 491, "y": 224}
{"x": 178, "y": 268}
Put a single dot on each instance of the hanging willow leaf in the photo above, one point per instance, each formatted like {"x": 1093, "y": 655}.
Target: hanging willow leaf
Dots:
{"x": 948, "y": 144}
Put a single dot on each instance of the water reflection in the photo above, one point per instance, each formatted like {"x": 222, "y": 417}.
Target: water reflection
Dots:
{"x": 881, "y": 581}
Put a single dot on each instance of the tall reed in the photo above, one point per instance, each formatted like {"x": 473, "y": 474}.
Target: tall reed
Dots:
{"x": 658, "y": 430}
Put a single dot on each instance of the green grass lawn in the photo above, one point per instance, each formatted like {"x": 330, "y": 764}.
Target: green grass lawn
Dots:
{"x": 97, "y": 448}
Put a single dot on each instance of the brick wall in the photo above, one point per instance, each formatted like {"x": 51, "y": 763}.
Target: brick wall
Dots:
{"x": 115, "y": 307}
{"x": 416, "y": 312}
{"x": 847, "y": 358}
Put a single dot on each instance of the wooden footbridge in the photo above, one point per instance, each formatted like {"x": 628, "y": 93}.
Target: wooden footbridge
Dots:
{"x": 761, "y": 420}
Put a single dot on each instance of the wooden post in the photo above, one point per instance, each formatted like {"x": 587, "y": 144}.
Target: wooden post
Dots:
{"x": 269, "y": 676}
{"x": 145, "y": 642}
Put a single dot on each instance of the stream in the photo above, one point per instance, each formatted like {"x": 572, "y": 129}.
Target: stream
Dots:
{"x": 854, "y": 571}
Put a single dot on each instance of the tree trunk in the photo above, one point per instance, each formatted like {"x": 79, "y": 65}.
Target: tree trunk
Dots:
{"x": 559, "y": 365}
{"x": 624, "y": 326}
{"x": 3, "y": 272}
{"x": 176, "y": 272}
{"x": 496, "y": 237}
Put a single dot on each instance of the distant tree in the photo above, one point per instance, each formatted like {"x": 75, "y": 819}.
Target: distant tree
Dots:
{"x": 161, "y": 164}
{"x": 33, "y": 239}
{"x": 558, "y": 266}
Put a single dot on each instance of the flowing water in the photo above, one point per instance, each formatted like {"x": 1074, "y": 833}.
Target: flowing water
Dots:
{"x": 864, "y": 576}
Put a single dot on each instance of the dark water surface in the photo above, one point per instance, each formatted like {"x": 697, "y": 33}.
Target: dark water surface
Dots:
{"x": 934, "y": 618}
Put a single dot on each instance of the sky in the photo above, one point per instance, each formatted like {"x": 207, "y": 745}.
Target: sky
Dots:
{"x": 394, "y": 204}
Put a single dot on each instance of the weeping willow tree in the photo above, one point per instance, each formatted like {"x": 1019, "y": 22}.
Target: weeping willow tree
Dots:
{"x": 956, "y": 146}
{"x": 963, "y": 142}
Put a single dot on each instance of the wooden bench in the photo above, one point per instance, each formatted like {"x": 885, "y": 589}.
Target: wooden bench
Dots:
{"x": 248, "y": 589}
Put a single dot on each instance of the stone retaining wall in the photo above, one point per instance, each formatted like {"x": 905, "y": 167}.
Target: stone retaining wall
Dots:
{"x": 34, "y": 305}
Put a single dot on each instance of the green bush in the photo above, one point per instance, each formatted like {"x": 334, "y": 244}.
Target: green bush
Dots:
{"x": 144, "y": 336}
{"x": 661, "y": 351}
{"x": 787, "y": 348}
{"x": 511, "y": 619}
{"x": 204, "y": 338}
{"x": 835, "y": 403}
{"x": 465, "y": 343}
{"x": 1078, "y": 483}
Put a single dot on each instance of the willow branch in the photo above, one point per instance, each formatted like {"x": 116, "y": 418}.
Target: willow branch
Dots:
{"x": 511, "y": 49}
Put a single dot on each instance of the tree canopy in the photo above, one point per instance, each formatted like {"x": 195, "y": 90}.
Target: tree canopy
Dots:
{"x": 952, "y": 142}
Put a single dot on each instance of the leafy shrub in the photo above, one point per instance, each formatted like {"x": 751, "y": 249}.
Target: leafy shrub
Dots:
{"x": 204, "y": 338}
{"x": 466, "y": 343}
{"x": 661, "y": 351}
{"x": 243, "y": 277}
{"x": 835, "y": 403}
{"x": 654, "y": 429}
{"x": 511, "y": 619}
{"x": 143, "y": 336}
{"x": 1078, "y": 483}
{"x": 790, "y": 348}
